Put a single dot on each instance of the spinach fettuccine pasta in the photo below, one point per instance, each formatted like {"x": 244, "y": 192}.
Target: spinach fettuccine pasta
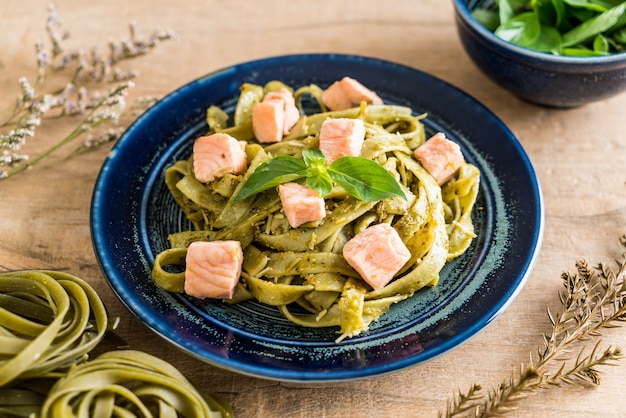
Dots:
{"x": 302, "y": 269}
{"x": 50, "y": 322}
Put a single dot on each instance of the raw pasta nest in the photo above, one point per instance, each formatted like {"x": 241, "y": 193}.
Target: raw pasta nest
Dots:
{"x": 50, "y": 322}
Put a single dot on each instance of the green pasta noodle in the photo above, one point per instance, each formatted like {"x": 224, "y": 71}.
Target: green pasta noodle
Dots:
{"x": 129, "y": 383}
{"x": 50, "y": 321}
{"x": 303, "y": 268}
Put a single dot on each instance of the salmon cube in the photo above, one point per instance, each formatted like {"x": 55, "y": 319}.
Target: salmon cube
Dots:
{"x": 335, "y": 98}
{"x": 217, "y": 155}
{"x": 268, "y": 120}
{"x": 274, "y": 116}
{"x": 377, "y": 253}
{"x": 213, "y": 269}
{"x": 292, "y": 114}
{"x": 341, "y": 137}
{"x": 347, "y": 93}
{"x": 301, "y": 204}
{"x": 440, "y": 156}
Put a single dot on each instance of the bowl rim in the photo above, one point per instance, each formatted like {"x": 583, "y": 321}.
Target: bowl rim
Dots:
{"x": 462, "y": 11}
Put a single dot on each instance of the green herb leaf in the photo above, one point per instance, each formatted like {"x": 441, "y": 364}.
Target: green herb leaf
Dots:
{"x": 316, "y": 174}
{"x": 601, "y": 44}
{"x": 364, "y": 179}
{"x": 321, "y": 182}
{"x": 559, "y": 8}
{"x": 361, "y": 177}
{"x": 522, "y": 30}
{"x": 509, "y": 8}
{"x": 549, "y": 40}
{"x": 487, "y": 18}
{"x": 546, "y": 11}
{"x": 560, "y": 27}
{"x": 580, "y": 52}
{"x": 594, "y": 26}
{"x": 313, "y": 157}
{"x": 587, "y": 4}
{"x": 278, "y": 170}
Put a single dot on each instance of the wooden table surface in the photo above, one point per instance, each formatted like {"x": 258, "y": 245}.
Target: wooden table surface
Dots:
{"x": 579, "y": 155}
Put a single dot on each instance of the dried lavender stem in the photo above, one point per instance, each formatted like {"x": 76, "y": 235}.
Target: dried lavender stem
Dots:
{"x": 72, "y": 136}
{"x": 20, "y": 121}
{"x": 91, "y": 121}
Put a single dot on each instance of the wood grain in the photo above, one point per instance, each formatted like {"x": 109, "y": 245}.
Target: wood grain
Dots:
{"x": 579, "y": 156}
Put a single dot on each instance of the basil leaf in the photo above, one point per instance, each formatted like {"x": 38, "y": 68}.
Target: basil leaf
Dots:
{"x": 278, "y": 170}
{"x": 505, "y": 11}
{"x": 487, "y": 18}
{"x": 549, "y": 40}
{"x": 364, "y": 179}
{"x": 546, "y": 12}
{"x": 522, "y": 30}
{"x": 321, "y": 182}
{"x": 313, "y": 157}
{"x": 586, "y": 4}
{"x": 601, "y": 44}
{"x": 577, "y": 16}
{"x": 508, "y": 8}
{"x": 594, "y": 26}
{"x": 560, "y": 27}
{"x": 559, "y": 9}
{"x": 580, "y": 52}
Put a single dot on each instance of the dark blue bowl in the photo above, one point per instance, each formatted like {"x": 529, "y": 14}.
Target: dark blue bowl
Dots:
{"x": 537, "y": 77}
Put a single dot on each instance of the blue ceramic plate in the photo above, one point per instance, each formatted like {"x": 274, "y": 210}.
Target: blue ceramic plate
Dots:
{"x": 132, "y": 214}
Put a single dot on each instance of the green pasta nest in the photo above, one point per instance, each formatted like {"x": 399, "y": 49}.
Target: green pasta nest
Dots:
{"x": 49, "y": 323}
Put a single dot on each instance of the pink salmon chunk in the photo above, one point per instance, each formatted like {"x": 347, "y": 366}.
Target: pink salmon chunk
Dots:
{"x": 274, "y": 116}
{"x": 292, "y": 114}
{"x": 440, "y": 156}
{"x": 213, "y": 269}
{"x": 341, "y": 137}
{"x": 301, "y": 204}
{"x": 377, "y": 253}
{"x": 347, "y": 93}
{"x": 216, "y": 155}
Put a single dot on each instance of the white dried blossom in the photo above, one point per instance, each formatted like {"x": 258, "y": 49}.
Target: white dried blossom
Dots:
{"x": 47, "y": 102}
{"x": 109, "y": 106}
{"x": 133, "y": 47}
{"x": 83, "y": 99}
{"x": 104, "y": 136}
{"x": 64, "y": 61}
{"x": 115, "y": 51}
{"x": 99, "y": 116}
{"x": 120, "y": 75}
{"x": 53, "y": 25}
{"x": 100, "y": 67}
{"x": 43, "y": 60}
{"x": 28, "y": 92}
{"x": 15, "y": 138}
{"x": 30, "y": 121}
{"x": 8, "y": 159}
{"x": 81, "y": 68}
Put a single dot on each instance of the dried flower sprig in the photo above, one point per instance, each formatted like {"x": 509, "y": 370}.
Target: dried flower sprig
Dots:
{"x": 76, "y": 97}
{"x": 593, "y": 300}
